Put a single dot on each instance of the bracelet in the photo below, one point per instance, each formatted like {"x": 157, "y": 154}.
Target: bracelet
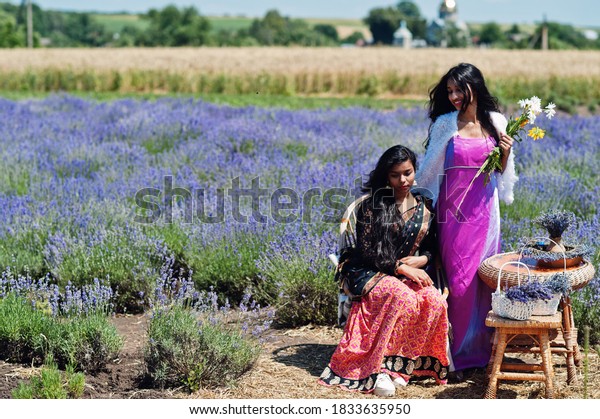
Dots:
{"x": 398, "y": 264}
{"x": 428, "y": 256}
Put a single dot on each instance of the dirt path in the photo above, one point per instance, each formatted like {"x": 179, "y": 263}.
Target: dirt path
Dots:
{"x": 289, "y": 367}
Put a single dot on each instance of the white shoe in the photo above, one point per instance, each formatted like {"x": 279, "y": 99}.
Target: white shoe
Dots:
{"x": 384, "y": 386}
{"x": 399, "y": 382}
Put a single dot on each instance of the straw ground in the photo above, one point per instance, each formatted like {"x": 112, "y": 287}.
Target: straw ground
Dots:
{"x": 289, "y": 367}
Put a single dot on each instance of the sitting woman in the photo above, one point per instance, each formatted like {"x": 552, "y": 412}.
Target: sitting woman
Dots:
{"x": 398, "y": 325}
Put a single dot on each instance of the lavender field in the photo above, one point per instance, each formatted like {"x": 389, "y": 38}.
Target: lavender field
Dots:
{"x": 130, "y": 192}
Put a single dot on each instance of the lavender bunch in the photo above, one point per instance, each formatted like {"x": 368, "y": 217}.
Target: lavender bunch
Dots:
{"x": 529, "y": 292}
{"x": 558, "y": 284}
{"x": 555, "y": 222}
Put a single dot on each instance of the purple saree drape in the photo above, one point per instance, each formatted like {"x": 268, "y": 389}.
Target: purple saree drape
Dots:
{"x": 468, "y": 236}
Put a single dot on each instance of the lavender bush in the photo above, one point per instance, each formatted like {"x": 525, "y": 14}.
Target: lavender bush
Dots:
{"x": 89, "y": 299}
{"x": 39, "y": 320}
{"x": 30, "y": 335}
{"x": 51, "y": 384}
{"x": 196, "y": 342}
{"x": 73, "y": 169}
{"x": 301, "y": 271}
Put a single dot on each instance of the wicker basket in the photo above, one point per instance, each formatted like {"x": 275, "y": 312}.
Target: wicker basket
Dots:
{"x": 547, "y": 307}
{"x": 579, "y": 276}
{"x": 504, "y": 307}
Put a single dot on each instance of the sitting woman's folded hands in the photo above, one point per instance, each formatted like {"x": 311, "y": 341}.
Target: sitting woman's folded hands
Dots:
{"x": 414, "y": 274}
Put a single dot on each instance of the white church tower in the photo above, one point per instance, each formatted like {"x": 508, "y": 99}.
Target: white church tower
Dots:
{"x": 448, "y": 28}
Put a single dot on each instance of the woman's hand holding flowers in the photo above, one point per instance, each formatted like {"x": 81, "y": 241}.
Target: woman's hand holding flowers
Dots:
{"x": 505, "y": 144}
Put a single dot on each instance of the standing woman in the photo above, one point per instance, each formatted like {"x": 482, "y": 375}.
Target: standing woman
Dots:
{"x": 398, "y": 324}
{"x": 465, "y": 127}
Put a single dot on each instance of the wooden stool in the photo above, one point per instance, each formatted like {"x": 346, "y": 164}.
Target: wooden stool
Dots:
{"x": 579, "y": 275}
{"x": 538, "y": 327}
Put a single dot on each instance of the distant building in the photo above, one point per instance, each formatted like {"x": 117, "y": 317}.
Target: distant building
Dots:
{"x": 448, "y": 29}
{"x": 403, "y": 37}
{"x": 448, "y": 10}
{"x": 590, "y": 35}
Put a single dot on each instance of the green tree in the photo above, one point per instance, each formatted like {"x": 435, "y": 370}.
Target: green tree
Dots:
{"x": 240, "y": 38}
{"x": 514, "y": 30}
{"x": 562, "y": 36}
{"x": 456, "y": 37}
{"x": 491, "y": 33}
{"x": 383, "y": 22}
{"x": 49, "y": 24}
{"x": 38, "y": 17}
{"x": 515, "y": 39}
{"x": 173, "y": 27}
{"x": 300, "y": 33}
{"x": 270, "y": 30}
{"x": 84, "y": 30}
{"x": 414, "y": 20}
{"x": 128, "y": 36}
{"x": 328, "y": 30}
{"x": 10, "y": 36}
{"x": 409, "y": 9}
{"x": 64, "y": 29}
{"x": 275, "y": 29}
{"x": 353, "y": 38}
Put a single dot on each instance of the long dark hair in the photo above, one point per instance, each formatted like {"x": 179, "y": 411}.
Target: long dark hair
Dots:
{"x": 464, "y": 75}
{"x": 383, "y": 202}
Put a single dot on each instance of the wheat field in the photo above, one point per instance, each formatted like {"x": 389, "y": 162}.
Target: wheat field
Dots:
{"x": 281, "y": 60}
{"x": 289, "y": 71}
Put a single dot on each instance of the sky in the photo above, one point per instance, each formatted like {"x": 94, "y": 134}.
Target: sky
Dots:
{"x": 575, "y": 12}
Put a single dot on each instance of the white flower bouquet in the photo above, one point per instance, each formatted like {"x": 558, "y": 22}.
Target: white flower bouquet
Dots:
{"x": 530, "y": 109}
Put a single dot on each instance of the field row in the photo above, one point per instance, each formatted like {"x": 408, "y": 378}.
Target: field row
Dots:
{"x": 291, "y": 61}
{"x": 382, "y": 72}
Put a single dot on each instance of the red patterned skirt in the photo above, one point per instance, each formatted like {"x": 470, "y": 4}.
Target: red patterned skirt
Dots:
{"x": 397, "y": 329}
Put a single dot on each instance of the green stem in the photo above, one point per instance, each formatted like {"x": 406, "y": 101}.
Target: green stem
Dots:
{"x": 480, "y": 171}
{"x": 491, "y": 163}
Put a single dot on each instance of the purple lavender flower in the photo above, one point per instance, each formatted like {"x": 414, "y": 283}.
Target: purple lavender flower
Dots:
{"x": 82, "y": 163}
{"x": 529, "y": 291}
